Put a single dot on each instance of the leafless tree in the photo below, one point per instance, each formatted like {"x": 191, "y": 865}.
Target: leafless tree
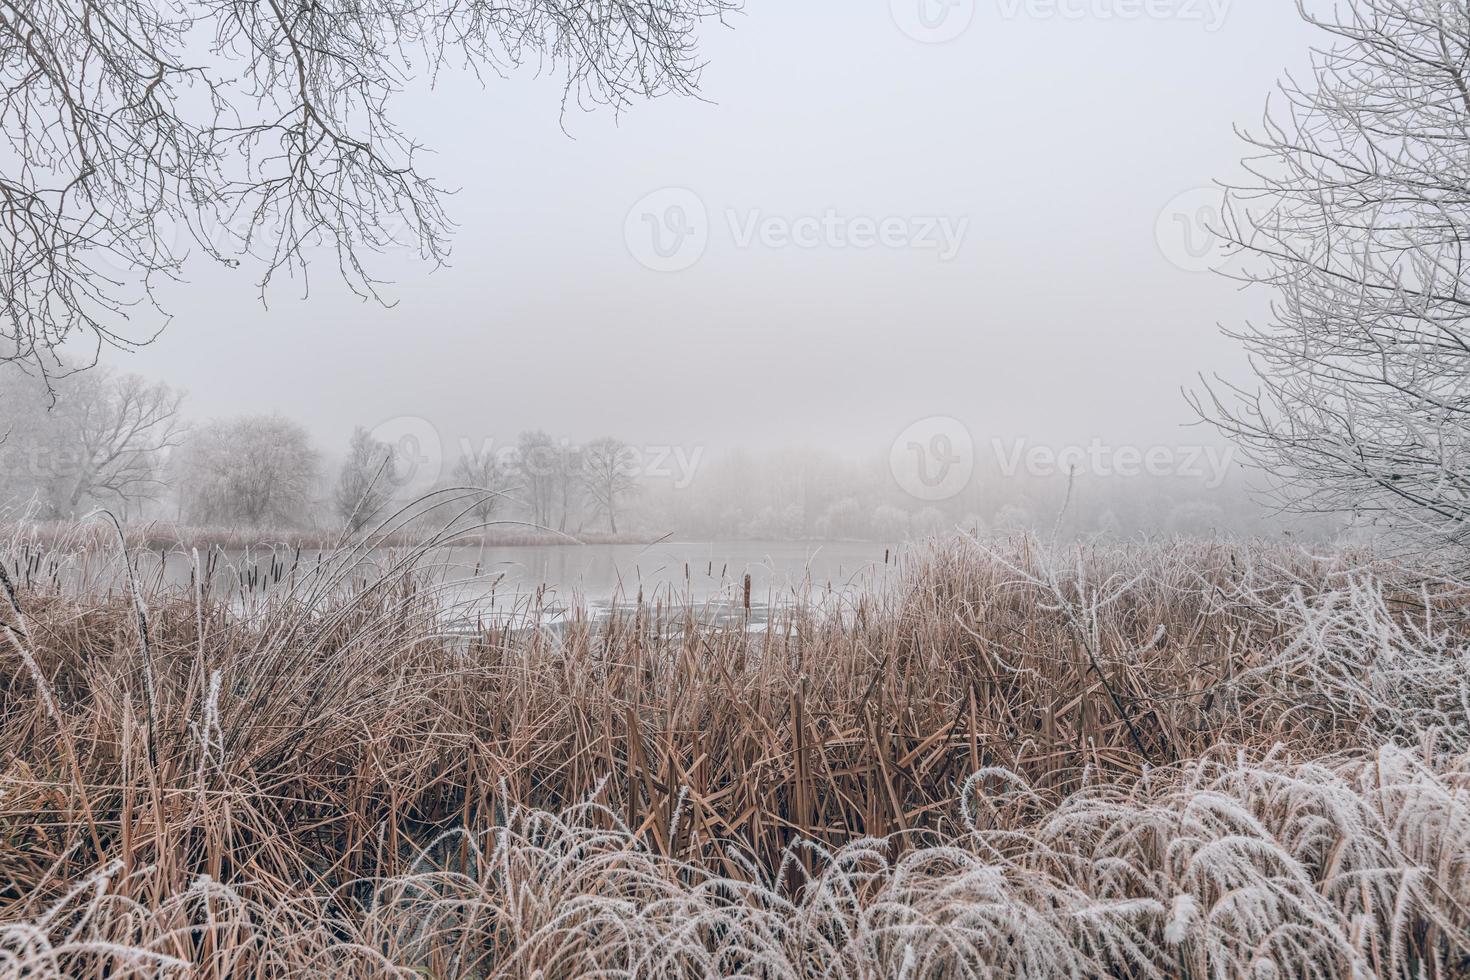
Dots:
{"x": 365, "y": 482}
{"x": 609, "y": 475}
{"x": 257, "y": 471}
{"x": 1357, "y": 216}
{"x": 137, "y": 130}
{"x": 484, "y": 472}
{"x": 103, "y": 443}
{"x": 536, "y": 468}
{"x": 566, "y": 482}
{"x": 119, "y": 428}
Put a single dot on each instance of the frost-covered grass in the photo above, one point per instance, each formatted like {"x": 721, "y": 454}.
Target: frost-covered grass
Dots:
{"x": 1231, "y": 866}
{"x": 1191, "y": 759}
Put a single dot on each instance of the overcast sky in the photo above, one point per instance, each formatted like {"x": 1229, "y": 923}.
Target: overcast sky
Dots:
{"x": 1010, "y": 184}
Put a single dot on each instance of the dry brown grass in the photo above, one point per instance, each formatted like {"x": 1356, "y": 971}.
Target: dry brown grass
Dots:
{"x": 334, "y": 784}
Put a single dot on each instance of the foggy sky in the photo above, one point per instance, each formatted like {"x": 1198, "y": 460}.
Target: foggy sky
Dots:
{"x": 1059, "y": 140}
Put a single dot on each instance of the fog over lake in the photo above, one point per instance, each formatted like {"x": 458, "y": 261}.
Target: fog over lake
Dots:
{"x": 1068, "y": 149}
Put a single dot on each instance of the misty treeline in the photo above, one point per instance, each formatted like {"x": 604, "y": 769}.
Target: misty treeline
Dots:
{"x": 97, "y": 438}
{"x": 124, "y": 442}
{"x": 794, "y": 494}
{"x": 1350, "y": 212}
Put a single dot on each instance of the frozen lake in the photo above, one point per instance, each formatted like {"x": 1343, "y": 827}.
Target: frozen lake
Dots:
{"x": 501, "y": 578}
{"x": 698, "y": 570}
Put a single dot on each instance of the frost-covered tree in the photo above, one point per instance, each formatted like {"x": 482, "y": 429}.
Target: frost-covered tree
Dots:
{"x": 101, "y": 442}
{"x": 772, "y": 523}
{"x": 365, "y": 482}
{"x": 609, "y": 476}
{"x": 567, "y": 483}
{"x": 254, "y": 471}
{"x": 138, "y": 131}
{"x": 842, "y": 520}
{"x": 537, "y": 464}
{"x": 890, "y": 523}
{"x": 120, "y": 428}
{"x": 483, "y": 472}
{"x": 1357, "y": 218}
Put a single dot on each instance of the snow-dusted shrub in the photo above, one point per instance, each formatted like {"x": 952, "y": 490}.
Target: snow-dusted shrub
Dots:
{"x": 1360, "y": 659}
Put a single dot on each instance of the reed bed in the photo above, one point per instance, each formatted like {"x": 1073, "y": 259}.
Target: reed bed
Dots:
{"x": 1190, "y": 758}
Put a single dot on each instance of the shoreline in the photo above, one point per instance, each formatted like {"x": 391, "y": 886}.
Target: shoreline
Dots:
{"x": 156, "y": 535}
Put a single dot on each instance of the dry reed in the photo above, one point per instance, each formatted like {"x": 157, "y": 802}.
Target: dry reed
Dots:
{"x": 1186, "y": 759}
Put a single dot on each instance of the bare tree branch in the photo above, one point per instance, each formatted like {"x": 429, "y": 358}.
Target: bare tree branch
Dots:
{"x": 1358, "y": 218}
{"x": 137, "y": 131}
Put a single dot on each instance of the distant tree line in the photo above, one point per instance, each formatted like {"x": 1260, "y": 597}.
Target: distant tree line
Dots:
{"x": 809, "y": 494}
{"x": 100, "y": 439}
